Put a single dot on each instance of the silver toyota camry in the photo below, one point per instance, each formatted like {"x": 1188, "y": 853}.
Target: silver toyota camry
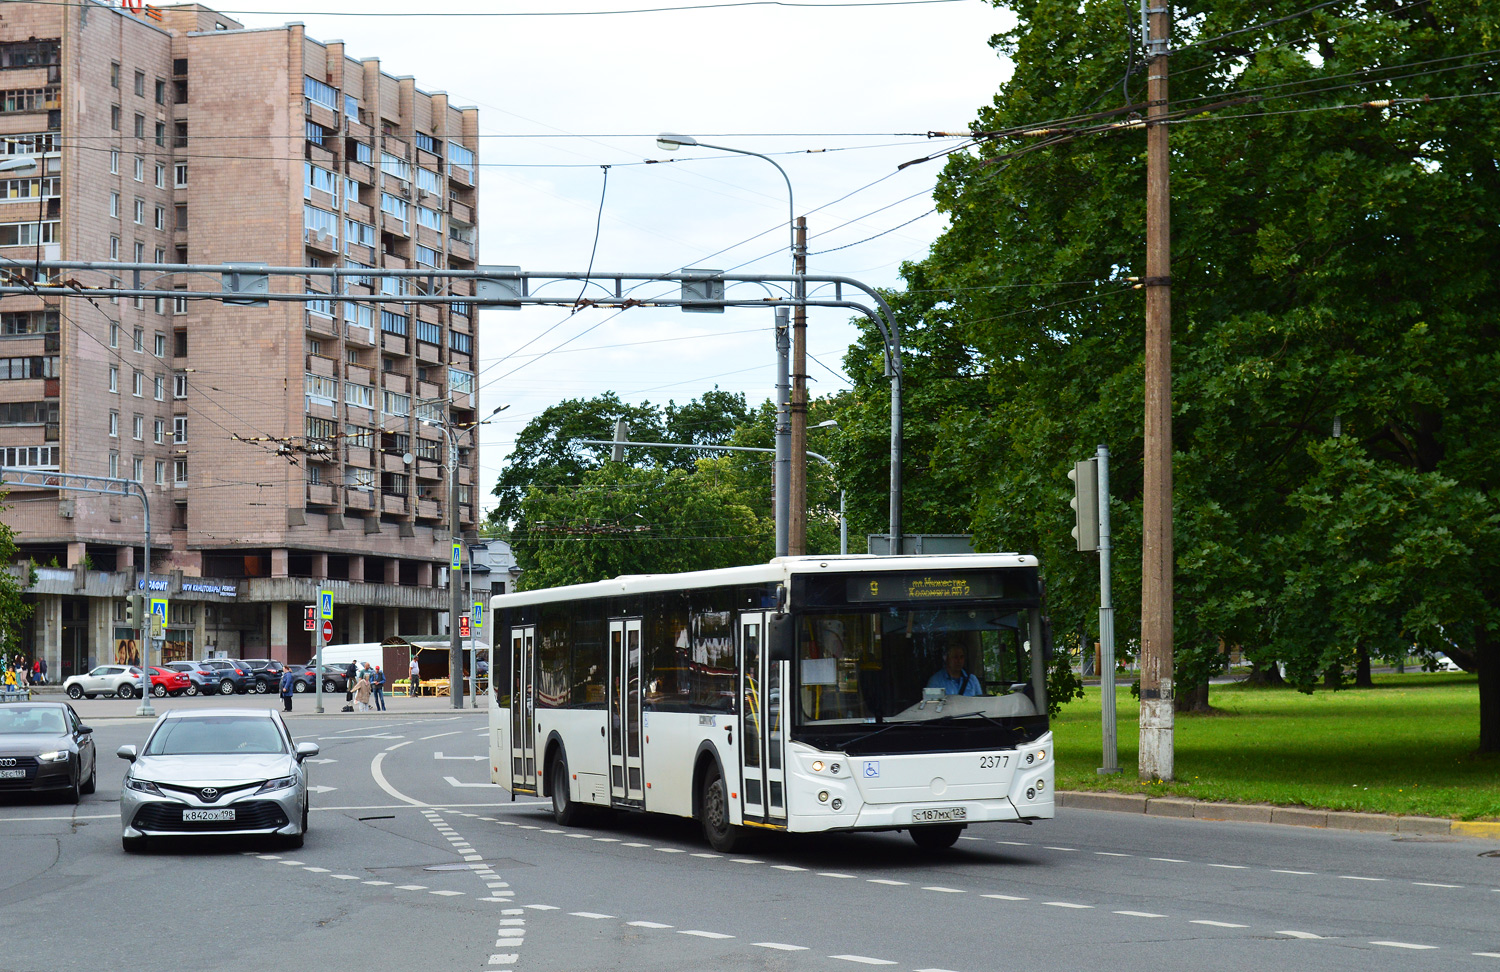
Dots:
{"x": 215, "y": 772}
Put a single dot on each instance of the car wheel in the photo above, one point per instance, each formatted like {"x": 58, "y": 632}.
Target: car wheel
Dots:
{"x": 176, "y": 693}
{"x": 133, "y": 845}
{"x": 328, "y": 686}
{"x": 76, "y": 692}
{"x": 299, "y": 687}
{"x": 937, "y": 836}
{"x": 261, "y": 688}
{"x": 160, "y": 691}
{"x": 564, "y": 810}
{"x": 73, "y": 792}
{"x": 191, "y": 690}
{"x": 124, "y": 692}
{"x": 89, "y": 695}
{"x": 92, "y": 783}
{"x": 713, "y": 814}
{"x": 226, "y": 687}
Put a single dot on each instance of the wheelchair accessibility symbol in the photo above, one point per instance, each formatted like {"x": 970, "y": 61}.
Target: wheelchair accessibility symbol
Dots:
{"x": 872, "y": 768}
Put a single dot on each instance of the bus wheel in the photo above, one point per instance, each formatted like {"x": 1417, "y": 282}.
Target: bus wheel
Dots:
{"x": 722, "y": 835}
{"x": 564, "y": 810}
{"x": 937, "y": 836}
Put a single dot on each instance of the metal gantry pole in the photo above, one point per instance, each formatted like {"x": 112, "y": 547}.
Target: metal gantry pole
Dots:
{"x": 1106, "y": 623}
{"x": 455, "y": 578}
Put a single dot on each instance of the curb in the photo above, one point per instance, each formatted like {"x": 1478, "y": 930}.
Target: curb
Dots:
{"x": 1266, "y": 814}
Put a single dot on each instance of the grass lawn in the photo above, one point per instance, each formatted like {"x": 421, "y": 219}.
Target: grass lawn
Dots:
{"x": 1403, "y": 747}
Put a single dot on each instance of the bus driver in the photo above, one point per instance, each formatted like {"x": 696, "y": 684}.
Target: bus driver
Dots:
{"x": 952, "y": 678}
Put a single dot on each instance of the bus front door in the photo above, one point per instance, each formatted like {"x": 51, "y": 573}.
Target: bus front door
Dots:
{"x": 762, "y": 726}
{"x": 523, "y": 709}
{"x": 626, "y": 774}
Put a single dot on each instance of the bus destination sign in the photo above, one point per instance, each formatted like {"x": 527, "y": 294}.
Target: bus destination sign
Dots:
{"x": 923, "y": 587}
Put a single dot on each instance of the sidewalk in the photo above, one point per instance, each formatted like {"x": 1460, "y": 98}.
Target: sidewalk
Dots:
{"x": 1268, "y": 814}
{"x": 90, "y": 710}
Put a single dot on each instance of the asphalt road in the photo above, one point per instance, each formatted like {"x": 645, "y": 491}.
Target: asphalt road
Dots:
{"x": 414, "y": 862}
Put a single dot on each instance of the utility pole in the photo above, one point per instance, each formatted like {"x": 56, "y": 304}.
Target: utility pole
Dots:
{"x": 455, "y": 573}
{"x": 797, "y": 539}
{"x": 782, "y": 477}
{"x": 1156, "y": 748}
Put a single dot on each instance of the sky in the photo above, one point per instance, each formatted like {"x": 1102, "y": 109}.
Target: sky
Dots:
{"x": 839, "y": 96}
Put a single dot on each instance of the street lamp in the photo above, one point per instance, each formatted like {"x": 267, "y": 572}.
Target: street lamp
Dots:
{"x": 791, "y": 421}
{"x": 455, "y": 574}
{"x": 18, "y": 164}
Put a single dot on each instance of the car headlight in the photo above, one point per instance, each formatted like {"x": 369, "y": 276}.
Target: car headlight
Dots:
{"x": 277, "y": 784}
{"x": 141, "y": 786}
{"x": 56, "y": 756}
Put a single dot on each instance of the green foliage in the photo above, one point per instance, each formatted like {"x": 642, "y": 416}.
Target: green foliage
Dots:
{"x": 1330, "y": 265}
{"x": 1063, "y": 684}
{"x": 14, "y": 610}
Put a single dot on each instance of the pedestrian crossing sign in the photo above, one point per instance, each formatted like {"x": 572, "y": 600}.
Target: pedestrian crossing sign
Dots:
{"x": 325, "y": 605}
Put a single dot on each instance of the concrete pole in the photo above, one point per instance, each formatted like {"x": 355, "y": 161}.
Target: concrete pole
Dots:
{"x": 1156, "y": 727}
{"x": 797, "y": 537}
{"x": 783, "y": 436}
{"x": 455, "y": 577}
{"x": 1106, "y": 623}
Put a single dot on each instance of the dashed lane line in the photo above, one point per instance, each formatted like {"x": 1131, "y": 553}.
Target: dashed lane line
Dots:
{"x": 1215, "y": 924}
{"x": 1407, "y": 945}
{"x": 862, "y": 959}
{"x": 588, "y": 914}
{"x": 1430, "y": 884}
{"x": 1356, "y": 877}
{"x": 1140, "y": 914}
{"x": 780, "y": 946}
{"x": 647, "y": 924}
{"x": 704, "y": 934}
{"x": 1307, "y": 936}
{"x": 1069, "y": 904}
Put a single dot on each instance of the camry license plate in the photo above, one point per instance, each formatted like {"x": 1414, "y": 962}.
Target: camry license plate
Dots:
{"x": 12, "y": 774}
{"x": 939, "y": 814}
{"x": 207, "y": 815}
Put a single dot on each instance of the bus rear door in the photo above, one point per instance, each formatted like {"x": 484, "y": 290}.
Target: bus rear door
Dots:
{"x": 762, "y": 727}
{"x": 626, "y": 775}
{"x": 523, "y": 708}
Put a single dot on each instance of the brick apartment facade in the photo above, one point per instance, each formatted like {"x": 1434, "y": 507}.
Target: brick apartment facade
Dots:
{"x": 283, "y": 447}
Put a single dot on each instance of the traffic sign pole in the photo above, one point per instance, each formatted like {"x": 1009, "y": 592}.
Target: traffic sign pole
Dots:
{"x": 325, "y": 610}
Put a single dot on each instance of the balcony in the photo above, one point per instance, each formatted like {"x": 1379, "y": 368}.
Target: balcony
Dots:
{"x": 429, "y": 390}
{"x": 359, "y": 211}
{"x": 320, "y": 240}
{"x": 318, "y": 155}
{"x": 393, "y": 504}
{"x": 460, "y": 175}
{"x": 319, "y": 365}
{"x": 319, "y": 325}
{"x": 358, "y": 456}
{"x": 320, "y": 494}
{"x": 459, "y": 250}
{"x": 429, "y": 509}
{"x": 359, "y": 498}
{"x": 428, "y": 354}
{"x": 358, "y": 334}
{"x": 360, "y": 172}
{"x": 394, "y": 343}
{"x": 429, "y": 237}
{"x": 392, "y": 462}
{"x": 323, "y": 115}
{"x": 358, "y": 374}
{"x": 397, "y": 382}
{"x": 461, "y": 212}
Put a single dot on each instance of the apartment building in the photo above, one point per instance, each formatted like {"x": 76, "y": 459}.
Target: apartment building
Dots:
{"x": 284, "y": 448}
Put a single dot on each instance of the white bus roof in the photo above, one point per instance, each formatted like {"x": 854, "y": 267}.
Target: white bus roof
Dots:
{"x": 778, "y": 569}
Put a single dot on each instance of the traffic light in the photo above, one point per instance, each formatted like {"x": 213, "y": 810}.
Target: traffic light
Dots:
{"x": 1085, "y": 503}
{"x": 135, "y": 610}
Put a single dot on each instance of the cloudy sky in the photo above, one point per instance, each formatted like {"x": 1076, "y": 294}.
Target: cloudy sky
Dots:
{"x": 839, "y": 96}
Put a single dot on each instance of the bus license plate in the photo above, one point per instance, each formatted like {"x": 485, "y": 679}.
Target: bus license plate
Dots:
{"x": 944, "y": 813}
{"x": 207, "y": 815}
{"x": 12, "y": 774}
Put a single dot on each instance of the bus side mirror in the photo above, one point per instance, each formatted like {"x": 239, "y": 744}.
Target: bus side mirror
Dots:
{"x": 780, "y": 637}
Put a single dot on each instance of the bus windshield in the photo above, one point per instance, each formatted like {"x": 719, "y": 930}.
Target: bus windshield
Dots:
{"x": 900, "y": 664}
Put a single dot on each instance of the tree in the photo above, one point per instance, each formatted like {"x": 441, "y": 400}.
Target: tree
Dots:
{"x": 1332, "y": 270}
{"x": 14, "y": 609}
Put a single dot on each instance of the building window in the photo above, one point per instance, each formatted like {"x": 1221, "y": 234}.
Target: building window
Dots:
{"x": 359, "y": 437}
{"x": 159, "y": 387}
{"x": 138, "y": 428}
{"x": 138, "y": 469}
{"x": 359, "y": 151}
{"x": 460, "y": 342}
{"x": 179, "y": 306}
{"x": 114, "y": 465}
{"x": 114, "y": 248}
{"x": 460, "y": 156}
{"x": 182, "y": 222}
{"x": 179, "y": 175}
{"x": 114, "y": 378}
{"x": 429, "y": 332}
{"x": 114, "y": 205}
{"x": 161, "y": 257}
{"x": 114, "y": 74}
{"x": 161, "y": 91}
{"x": 114, "y": 118}
{"x": 28, "y": 234}
{"x": 320, "y": 93}
{"x": 392, "y": 323}
{"x": 161, "y": 218}
{"x": 138, "y": 339}
{"x": 161, "y": 176}
{"x": 179, "y": 338}
{"x": 114, "y": 425}
{"x": 429, "y": 144}
{"x": 140, "y": 126}
{"x": 161, "y": 133}
{"x": 179, "y": 472}
{"x": 114, "y": 334}
{"x": 179, "y": 386}
{"x": 179, "y": 90}
{"x": 325, "y": 390}
{"x": 159, "y": 432}
{"x": 161, "y": 472}
{"x": 394, "y": 403}
{"x": 140, "y": 84}
{"x": 140, "y": 257}
{"x": 140, "y": 212}
{"x": 179, "y": 429}
{"x": 460, "y": 382}
{"x": 360, "y": 395}
{"x": 137, "y": 384}
{"x": 140, "y": 169}
{"x": 114, "y": 161}
{"x": 180, "y": 135}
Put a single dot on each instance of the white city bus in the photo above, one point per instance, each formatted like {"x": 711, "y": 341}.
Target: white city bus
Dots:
{"x": 802, "y": 695}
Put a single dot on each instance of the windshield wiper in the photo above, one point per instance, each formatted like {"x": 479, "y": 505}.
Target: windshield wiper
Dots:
{"x": 969, "y": 715}
{"x": 848, "y": 744}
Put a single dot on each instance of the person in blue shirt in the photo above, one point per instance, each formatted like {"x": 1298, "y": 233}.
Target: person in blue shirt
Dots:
{"x": 952, "y": 677}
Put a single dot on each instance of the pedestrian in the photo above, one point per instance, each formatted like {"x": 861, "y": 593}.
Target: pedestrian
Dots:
{"x": 362, "y": 695}
{"x": 377, "y": 688}
{"x": 43, "y": 662}
{"x": 350, "y": 674}
{"x": 288, "y": 687}
{"x": 414, "y": 685}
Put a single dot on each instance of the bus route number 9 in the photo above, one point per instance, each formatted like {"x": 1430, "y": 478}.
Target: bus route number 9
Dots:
{"x": 994, "y": 762}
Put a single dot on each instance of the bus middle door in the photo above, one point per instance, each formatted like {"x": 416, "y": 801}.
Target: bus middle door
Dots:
{"x": 762, "y": 726}
{"x": 523, "y": 708}
{"x": 626, "y": 774}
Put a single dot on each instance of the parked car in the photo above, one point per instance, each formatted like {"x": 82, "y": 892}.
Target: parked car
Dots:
{"x": 1442, "y": 663}
{"x": 201, "y": 681}
{"x": 44, "y": 746}
{"x": 121, "y": 681}
{"x": 334, "y": 679}
{"x": 267, "y": 673}
{"x": 215, "y": 771}
{"x": 304, "y": 679}
{"x": 165, "y": 681}
{"x": 231, "y": 675}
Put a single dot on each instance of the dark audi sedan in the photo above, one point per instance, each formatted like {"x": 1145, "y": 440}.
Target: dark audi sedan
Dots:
{"x": 43, "y": 746}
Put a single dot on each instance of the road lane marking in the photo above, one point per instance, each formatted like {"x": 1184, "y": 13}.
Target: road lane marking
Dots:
{"x": 376, "y": 884}
{"x": 835, "y": 874}
{"x": 316, "y": 870}
{"x": 862, "y": 959}
{"x": 608, "y": 840}
{"x": 705, "y": 934}
{"x": 943, "y": 890}
{"x": 1410, "y": 945}
{"x": 781, "y": 947}
{"x": 1277, "y": 870}
{"x": 588, "y": 914}
{"x": 293, "y": 863}
{"x": 1355, "y": 877}
{"x": 1216, "y": 924}
{"x": 1488, "y": 954}
{"x": 788, "y": 867}
{"x": 1004, "y": 897}
{"x": 411, "y": 887}
{"x": 628, "y": 843}
{"x": 446, "y": 894}
{"x": 1112, "y": 854}
{"x": 1047, "y": 847}
{"x": 647, "y": 924}
{"x": 671, "y": 850}
{"x": 440, "y": 735}
{"x": 1069, "y": 904}
{"x": 1430, "y": 884}
{"x": 541, "y": 908}
{"x": 1230, "y": 867}
{"x": 385, "y": 785}
{"x": 1169, "y": 860}
{"x": 504, "y": 959}
{"x": 453, "y": 781}
{"x": 1301, "y": 934}
{"x": 745, "y": 860}
{"x": 1014, "y": 843}
{"x": 1140, "y": 914}
{"x": 894, "y": 884}
{"x": 709, "y": 856}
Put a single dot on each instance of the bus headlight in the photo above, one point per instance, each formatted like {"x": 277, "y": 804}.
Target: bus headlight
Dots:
{"x": 817, "y": 766}
{"x": 822, "y": 796}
